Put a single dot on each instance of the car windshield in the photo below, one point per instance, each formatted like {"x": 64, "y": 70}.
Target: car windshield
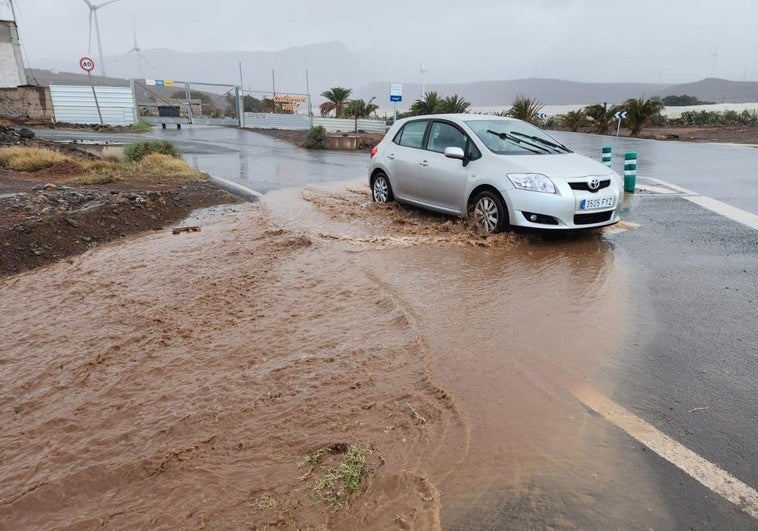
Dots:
{"x": 511, "y": 137}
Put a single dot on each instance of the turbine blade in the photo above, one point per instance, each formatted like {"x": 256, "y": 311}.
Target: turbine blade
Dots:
{"x": 134, "y": 29}
{"x": 123, "y": 56}
{"x": 106, "y": 3}
{"x": 148, "y": 62}
{"x": 89, "y": 4}
{"x": 89, "y": 44}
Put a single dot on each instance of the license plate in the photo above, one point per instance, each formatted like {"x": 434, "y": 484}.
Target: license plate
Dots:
{"x": 599, "y": 202}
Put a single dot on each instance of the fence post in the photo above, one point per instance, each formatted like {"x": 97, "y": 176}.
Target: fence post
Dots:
{"x": 607, "y": 154}
{"x": 630, "y": 171}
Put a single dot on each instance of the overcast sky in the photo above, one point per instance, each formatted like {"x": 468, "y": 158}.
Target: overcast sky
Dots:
{"x": 670, "y": 41}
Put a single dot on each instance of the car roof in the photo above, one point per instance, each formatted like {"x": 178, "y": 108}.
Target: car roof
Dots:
{"x": 461, "y": 117}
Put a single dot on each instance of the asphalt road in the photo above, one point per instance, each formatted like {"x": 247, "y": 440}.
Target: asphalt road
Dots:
{"x": 689, "y": 366}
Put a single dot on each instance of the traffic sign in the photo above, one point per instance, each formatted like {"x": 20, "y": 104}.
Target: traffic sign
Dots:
{"x": 620, "y": 115}
{"x": 396, "y": 92}
{"x": 541, "y": 115}
{"x": 87, "y": 64}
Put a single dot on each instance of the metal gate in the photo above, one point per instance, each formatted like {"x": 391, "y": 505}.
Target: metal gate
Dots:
{"x": 164, "y": 101}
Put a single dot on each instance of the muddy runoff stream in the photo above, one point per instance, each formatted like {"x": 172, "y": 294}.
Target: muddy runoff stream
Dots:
{"x": 221, "y": 379}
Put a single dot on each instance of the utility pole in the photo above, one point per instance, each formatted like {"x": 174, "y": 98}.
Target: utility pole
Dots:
{"x": 273, "y": 89}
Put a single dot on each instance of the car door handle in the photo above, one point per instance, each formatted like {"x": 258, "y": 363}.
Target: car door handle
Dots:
{"x": 423, "y": 163}
{"x": 391, "y": 156}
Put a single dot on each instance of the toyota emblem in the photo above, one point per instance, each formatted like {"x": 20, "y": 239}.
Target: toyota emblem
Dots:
{"x": 594, "y": 184}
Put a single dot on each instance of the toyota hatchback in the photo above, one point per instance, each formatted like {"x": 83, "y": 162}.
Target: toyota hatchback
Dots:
{"x": 500, "y": 171}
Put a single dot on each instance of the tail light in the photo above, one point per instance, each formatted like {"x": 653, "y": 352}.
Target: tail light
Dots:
{"x": 374, "y": 150}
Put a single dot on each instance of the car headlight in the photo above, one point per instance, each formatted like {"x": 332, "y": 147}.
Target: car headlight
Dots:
{"x": 534, "y": 182}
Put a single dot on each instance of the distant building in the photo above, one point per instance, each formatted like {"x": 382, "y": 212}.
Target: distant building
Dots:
{"x": 12, "y": 72}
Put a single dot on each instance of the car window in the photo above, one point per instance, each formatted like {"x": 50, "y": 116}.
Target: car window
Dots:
{"x": 444, "y": 135}
{"x": 412, "y": 134}
{"x": 513, "y": 137}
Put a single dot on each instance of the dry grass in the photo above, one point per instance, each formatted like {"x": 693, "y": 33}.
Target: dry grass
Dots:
{"x": 29, "y": 159}
{"x": 153, "y": 168}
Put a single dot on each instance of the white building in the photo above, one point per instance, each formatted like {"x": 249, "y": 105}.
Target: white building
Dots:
{"x": 12, "y": 72}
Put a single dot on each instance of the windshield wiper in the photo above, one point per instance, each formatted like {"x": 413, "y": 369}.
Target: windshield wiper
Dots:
{"x": 518, "y": 142}
{"x": 553, "y": 145}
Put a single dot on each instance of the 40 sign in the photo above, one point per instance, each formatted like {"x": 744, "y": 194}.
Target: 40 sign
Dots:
{"x": 87, "y": 64}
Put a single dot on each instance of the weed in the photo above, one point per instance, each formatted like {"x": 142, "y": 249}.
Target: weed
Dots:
{"x": 29, "y": 159}
{"x": 136, "y": 151}
{"x": 316, "y": 138}
{"x": 141, "y": 127}
{"x": 339, "y": 481}
{"x": 264, "y": 503}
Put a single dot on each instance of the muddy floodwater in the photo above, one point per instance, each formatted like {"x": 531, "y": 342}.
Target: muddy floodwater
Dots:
{"x": 207, "y": 379}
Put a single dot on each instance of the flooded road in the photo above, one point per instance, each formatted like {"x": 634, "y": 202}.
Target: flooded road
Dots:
{"x": 318, "y": 319}
{"x": 183, "y": 381}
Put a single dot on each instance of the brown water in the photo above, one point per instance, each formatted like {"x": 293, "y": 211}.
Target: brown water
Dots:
{"x": 180, "y": 381}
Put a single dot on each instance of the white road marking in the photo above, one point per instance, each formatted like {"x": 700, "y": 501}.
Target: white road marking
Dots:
{"x": 714, "y": 205}
{"x": 707, "y": 473}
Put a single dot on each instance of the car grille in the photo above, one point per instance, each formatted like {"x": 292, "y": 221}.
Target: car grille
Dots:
{"x": 584, "y": 186}
{"x": 595, "y": 217}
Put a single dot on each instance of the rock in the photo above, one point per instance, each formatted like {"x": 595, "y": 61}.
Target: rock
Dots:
{"x": 72, "y": 222}
{"x": 25, "y": 132}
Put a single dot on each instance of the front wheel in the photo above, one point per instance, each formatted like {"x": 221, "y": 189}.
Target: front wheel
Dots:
{"x": 381, "y": 190}
{"x": 489, "y": 212}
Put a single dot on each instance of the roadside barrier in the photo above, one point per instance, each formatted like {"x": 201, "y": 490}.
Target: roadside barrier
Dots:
{"x": 630, "y": 171}
{"x": 607, "y": 153}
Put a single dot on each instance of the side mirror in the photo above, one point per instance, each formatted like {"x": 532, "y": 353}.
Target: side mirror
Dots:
{"x": 454, "y": 153}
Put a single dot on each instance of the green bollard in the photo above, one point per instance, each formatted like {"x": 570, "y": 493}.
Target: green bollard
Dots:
{"x": 630, "y": 171}
{"x": 607, "y": 155}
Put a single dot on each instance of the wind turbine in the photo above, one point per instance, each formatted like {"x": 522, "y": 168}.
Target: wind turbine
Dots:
{"x": 715, "y": 56}
{"x": 93, "y": 14}
{"x": 137, "y": 50}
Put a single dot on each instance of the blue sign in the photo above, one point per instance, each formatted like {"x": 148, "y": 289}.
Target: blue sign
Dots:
{"x": 396, "y": 92}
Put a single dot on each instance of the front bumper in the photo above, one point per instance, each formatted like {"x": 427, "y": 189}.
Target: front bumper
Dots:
{"x": 563, "y": 209}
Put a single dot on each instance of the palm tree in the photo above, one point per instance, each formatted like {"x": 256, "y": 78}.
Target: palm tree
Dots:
{"x": 573, "y": 119}
{"x": 454, "y": 104}
{"x": 429, "y": 104}
{"x": 602, "y": 116}
{"x": 338, "y": 98}
{"x": 525, "y": 108}
{"x": 360, "y": 109}
{"x": 640, "y": 112}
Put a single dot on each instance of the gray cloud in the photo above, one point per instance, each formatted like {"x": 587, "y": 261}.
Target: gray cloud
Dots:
{"x": 585, "y": 40}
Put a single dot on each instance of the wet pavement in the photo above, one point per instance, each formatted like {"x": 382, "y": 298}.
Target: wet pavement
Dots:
{"x": 661, "y": 317}
{"x": 728, "y": 173}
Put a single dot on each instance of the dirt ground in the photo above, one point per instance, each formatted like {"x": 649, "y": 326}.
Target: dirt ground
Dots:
{"x": 44, "y": 218}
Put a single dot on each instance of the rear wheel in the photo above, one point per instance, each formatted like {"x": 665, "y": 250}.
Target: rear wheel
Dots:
{"x": 489, "y": 212}
{"x": 381, "y": 190}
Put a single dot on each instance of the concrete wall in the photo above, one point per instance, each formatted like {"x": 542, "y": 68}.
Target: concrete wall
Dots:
{"x": 26, "y": 102}
{"x": 12, "y": 73}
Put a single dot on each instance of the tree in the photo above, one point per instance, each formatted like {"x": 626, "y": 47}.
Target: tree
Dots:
{"x": 602, "y": 117}
{"x": 454, "y": 104}
{"x": 338, "y": 99}
{"x": 525, "y": 108}
{"x": 640, "y": 112}
{"x": 574, "y": 119}
{"x": 429, "y": 104}
{"x": 360, "y": 109}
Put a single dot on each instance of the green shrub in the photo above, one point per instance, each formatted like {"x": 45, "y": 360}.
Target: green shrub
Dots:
{"x": 136, "y": 151}
{"x": 316, "y": 138}
{"x": 142, "y": 127}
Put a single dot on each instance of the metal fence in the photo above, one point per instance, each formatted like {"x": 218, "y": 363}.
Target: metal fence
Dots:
{"x": 76, "y": 104}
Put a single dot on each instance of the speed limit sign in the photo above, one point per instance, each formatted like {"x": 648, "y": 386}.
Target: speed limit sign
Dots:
{"x": 87, "y": 64}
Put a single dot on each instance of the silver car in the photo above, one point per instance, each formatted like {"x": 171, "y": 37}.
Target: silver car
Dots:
{"x": 500, "y": 171}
